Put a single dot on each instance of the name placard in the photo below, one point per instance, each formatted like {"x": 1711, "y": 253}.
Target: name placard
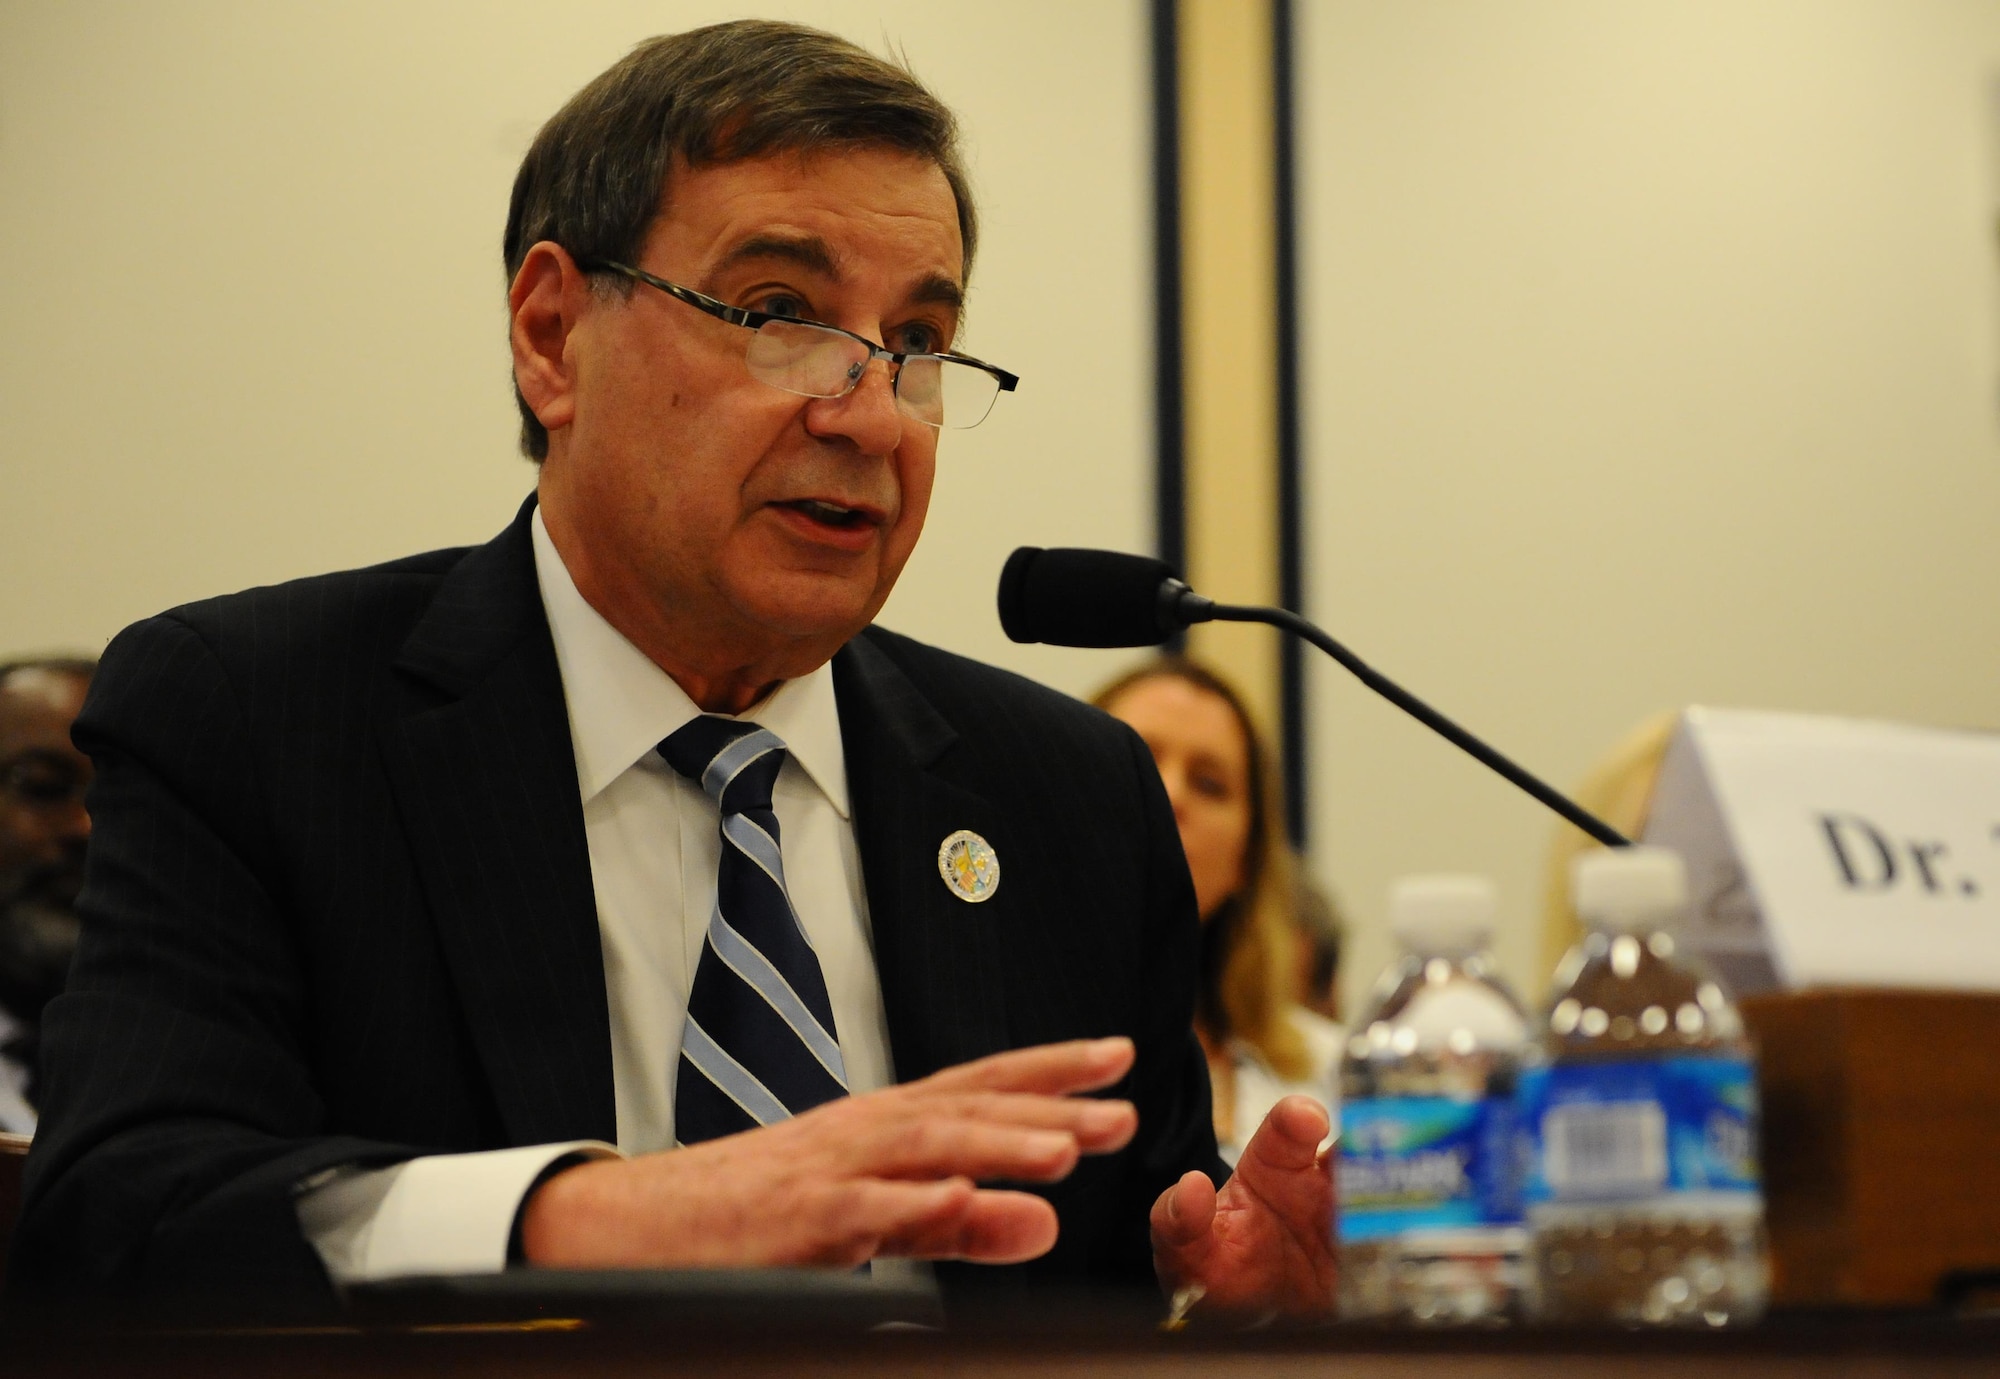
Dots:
{"x": 1833, "y": 851}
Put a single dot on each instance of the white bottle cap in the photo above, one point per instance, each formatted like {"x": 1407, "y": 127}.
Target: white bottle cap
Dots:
{"x": 1442, "y": 916}
{"x": 1629, "y": 890}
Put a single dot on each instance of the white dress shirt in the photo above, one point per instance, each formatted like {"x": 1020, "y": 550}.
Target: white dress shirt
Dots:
{"x": 1259, "y": 1087}
{"x": 654, "y": 851}
{"x": 17, "y": 1117}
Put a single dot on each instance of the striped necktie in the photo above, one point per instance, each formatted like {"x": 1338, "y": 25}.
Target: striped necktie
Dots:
{"x": 759, "y": 1044}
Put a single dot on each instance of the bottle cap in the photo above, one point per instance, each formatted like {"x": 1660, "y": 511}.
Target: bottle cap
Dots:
{"x": 1442, "y": 916}
{"x": 1629, "y": 890}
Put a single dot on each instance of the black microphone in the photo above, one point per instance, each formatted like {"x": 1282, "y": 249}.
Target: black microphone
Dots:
{"x": 1108, "y": 598}
{"x": 1089, "y": 598}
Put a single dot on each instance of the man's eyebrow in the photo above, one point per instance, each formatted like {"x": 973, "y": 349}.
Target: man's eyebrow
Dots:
{"x": 940, "y": 290}
{"x": 816, "y": 255}
{"x": 807, "y": 251}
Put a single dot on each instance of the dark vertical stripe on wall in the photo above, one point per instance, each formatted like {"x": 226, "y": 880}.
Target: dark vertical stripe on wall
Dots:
{"x": 1170, "y": 469}
{"x": 1291, "y": 543}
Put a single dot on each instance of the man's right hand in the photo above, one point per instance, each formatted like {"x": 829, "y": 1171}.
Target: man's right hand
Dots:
{"x": 887, "y": 1173}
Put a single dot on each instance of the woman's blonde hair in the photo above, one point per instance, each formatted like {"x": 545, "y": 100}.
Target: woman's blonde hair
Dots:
{"x": 1250, "y": 955}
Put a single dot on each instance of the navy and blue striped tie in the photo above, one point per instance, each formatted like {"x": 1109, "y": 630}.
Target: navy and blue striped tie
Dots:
{"x": 759, "y": 1045}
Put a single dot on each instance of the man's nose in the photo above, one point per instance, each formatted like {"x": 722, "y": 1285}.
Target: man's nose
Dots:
{"x": 66, "y": 821}
{"x": 76, "y": 822}
{"x": 868, "y": 416}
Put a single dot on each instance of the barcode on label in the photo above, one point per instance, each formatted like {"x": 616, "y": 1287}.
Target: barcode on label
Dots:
{"x": 1601, "y": 1148}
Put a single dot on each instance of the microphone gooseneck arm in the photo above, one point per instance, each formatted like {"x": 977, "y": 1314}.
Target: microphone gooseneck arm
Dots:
{"x": 1185, "y": 606}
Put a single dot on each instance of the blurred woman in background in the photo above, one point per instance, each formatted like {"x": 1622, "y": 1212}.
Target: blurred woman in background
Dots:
{"x": 1262, "y": 1045}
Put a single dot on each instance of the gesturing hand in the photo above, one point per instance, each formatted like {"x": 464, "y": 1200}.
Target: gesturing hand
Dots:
{"x": 887, "y": 1173}
{"x": 1265, "y": 1242}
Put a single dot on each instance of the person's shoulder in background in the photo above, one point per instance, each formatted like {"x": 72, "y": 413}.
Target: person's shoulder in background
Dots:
{"x": 1259, "y": 1087}
{"x": 1323, "y": 1042}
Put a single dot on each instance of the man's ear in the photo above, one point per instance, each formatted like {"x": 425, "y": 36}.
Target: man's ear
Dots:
{"x": 545, "y": 302}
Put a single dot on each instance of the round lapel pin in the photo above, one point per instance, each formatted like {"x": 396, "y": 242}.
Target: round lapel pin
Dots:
{"x": 969, "y": 866}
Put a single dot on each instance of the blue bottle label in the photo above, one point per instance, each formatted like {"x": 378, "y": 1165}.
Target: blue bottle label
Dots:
{"x": 1641, "y": 1128}
{"x": 1424, "y": 1163}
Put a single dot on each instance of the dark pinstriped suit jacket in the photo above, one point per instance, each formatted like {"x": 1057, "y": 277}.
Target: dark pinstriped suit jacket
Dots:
{"x": 339, "y": 910}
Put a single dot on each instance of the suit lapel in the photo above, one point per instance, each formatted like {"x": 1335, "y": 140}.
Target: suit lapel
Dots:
{"x": 940, "y": 959}
{"x": 485, "y": 778}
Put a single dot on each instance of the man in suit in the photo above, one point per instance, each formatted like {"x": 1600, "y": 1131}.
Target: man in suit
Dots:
{"x": 418, "y": 889}
{"x": 43, "y": 830}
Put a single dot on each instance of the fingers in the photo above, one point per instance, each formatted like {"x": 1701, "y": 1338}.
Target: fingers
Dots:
{"x": 1097, "y": 1126}
{"x": 869, "y": 1217}
{"x": 938, "y": 1147}
{"x": 995, "y": 1228}
{"x": 1289, "y": 1138}
{"x": 1108, "y": 1126}
{"x": 1006, "y": 1228}
{"x": 1184, "y": 1212}
{"x": 1081, "y": 1065}
{"x": 1304, "y": 1119}
{"x": 981, "y": 1141}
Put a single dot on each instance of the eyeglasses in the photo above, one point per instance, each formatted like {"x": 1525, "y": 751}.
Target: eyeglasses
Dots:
{"x": 814, "y": 360}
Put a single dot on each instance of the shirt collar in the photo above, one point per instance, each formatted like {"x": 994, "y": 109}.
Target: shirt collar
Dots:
{"x": 621, "y": 705}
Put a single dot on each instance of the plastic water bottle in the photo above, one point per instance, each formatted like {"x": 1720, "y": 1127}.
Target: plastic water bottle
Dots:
{"x": 1429, "y": 1216}
{"x": 1638, "y": 1117}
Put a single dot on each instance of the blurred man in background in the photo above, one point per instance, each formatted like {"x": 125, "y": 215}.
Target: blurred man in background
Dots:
{"x": 43, "y": 830}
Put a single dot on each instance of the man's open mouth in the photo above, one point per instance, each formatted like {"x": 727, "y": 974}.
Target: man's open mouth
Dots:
{"x": 832, "y": 514}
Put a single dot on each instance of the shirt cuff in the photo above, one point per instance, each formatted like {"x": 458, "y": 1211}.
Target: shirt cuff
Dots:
{"x": 442, "y": 1214}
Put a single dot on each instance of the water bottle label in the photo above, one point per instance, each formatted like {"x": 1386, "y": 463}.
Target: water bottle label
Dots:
{"x": 1424, "y": 1163}
{"x": 1643, "y": 1128}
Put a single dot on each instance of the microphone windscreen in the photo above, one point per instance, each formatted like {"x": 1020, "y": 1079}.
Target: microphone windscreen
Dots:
{"x": 1070, "y": 597}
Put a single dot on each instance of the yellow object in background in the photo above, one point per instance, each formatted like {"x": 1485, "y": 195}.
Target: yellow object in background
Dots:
{"x": 1618, "y": 790}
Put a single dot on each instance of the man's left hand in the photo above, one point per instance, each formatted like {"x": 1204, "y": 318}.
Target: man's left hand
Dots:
{"x": 1264, "y": 1243}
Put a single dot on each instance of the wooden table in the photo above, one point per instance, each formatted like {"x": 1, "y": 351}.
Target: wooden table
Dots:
{"x": 1788, "y": 1346}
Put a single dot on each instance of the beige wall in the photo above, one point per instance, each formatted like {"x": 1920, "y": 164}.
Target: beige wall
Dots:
{"x": 255, "y": 308}
{"x": 1652, "y": 359}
